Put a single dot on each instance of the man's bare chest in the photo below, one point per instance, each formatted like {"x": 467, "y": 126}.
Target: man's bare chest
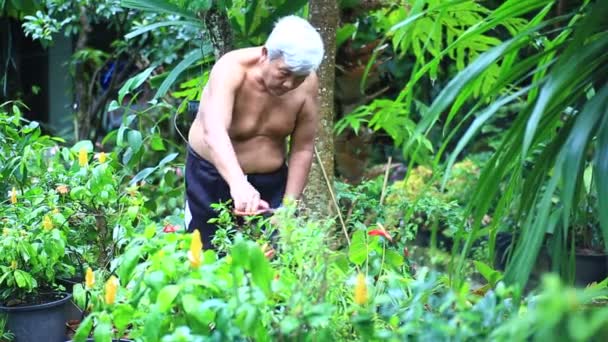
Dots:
{"x": 262, "y": 115}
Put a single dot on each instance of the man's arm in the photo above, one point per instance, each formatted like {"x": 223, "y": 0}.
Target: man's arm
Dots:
{"x": 302, "y": 144}
{"x": 219, "y": 102}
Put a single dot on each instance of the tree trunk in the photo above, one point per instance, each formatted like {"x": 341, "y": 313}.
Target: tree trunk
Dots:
{"x": 83, "y": 100}
{"x": 317, "y": 198}
{"x": 220, "y": 32}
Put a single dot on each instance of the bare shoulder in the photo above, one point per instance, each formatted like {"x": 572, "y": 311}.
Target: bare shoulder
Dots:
{"x": 230, "y": 68}
{"x": 310, "y": 93}
{"x": 311, "y": 87}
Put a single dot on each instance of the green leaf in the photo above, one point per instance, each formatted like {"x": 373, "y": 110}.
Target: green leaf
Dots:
{"x": 489, "y": 274}
{"x": 240, "y": 254}
{"x": 393, "y": 258}
{"x": 246, "y": 318}
{"x": 157, "y": 143}
{"x": 128, "y": 261}
{"x": 120, "y": 135}
{"x": 289, "y": 324}
{"x": 480, "y": 120}
{"x": 21, "y": 278}
{"x": 368, "y": 67}
{"x": 86, "y": 144}
{"x": 153, "y": 324}
{"x": 168, "y": 159}
{"x": 198, "y": 312}
{"x": 103, "y": 329}
{"x": 122, "y": 315}
{"x": 84, "y": 329}
{"x": 154, "y": 26}
{"x": 209, "y": 257}
{"x": 407, "y": 22}
{"x": 157, "y": 6}
{"x": 30, "y": 127}
{"x": 538, "y": 222}
{"x": 134, "y": 82}
{"x": 143, "y": 174}
{"x": 456, "y": 85}
{"x": 575, "y": 148}
{"x": 260, "y": 269}
{"x": 16, "y": 111}
{"x": 568, "y": 73}
{"x": 344, "y": 33}
{"x": 113, "y": 106}
{"x": 250, "y": 11}
{"x": 601, "y": 170}
{"x": 357, "y": 252}
{"x": 166, "y": 296}
{"x": 135, "y": 140}
{"x": 190, "y": 59}
{"x": 286, "y": 8}
{"x": 110, "y": 137}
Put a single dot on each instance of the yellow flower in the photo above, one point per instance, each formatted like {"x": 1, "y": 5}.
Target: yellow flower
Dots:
{"x": 56, "y": 211}
{"x": 47, "y": 224}
{"x": 62, "y": 189}
{"x": 196, "y": 249}
{"x": 89, "y": 278}
{"x": 111, "y": 288}
{"x": 83, "y": 157}
{"x": 14, "y": 265}
{"x": 102, "y": 157}
{"x": 132, "y": 190}
{"x": 5, "y": 231}
{"x": 361, "y": 290}
{"x": 13, "y": 196}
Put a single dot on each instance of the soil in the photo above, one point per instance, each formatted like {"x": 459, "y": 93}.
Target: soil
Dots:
{"x": 34, "y": 299}
{"x": 590, "y": 252}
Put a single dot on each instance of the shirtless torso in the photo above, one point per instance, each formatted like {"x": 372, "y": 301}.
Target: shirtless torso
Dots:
{"x": 248, "y": 108}
{"x": 260, "y": 121}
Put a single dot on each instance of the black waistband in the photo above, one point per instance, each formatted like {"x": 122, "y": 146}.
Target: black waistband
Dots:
{"x": 207, "y": 163}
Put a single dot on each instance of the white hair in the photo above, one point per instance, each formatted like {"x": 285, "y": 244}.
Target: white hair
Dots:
{"x": 300, "y": 45}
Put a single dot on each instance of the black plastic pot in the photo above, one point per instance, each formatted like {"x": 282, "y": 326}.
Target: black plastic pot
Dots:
{"x": 71, "y": 310}
{"x": 37, "y": 323}
{"x": 69, "y": 283}
{"x": 113, "y": 340}
{"x": 590, "y": 268}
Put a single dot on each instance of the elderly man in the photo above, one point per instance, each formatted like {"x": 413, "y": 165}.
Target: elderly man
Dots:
{"x": 254, "y": 100}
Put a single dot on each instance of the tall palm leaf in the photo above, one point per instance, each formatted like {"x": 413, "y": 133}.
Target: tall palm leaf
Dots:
{"x": 191, "y": 58}
{"x": 543, "y": 153}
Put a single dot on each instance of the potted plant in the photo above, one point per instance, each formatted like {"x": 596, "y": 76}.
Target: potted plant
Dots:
{"x": 587, "y": 262}
{"x": 591, "y": 260}
{"x": 32, "y": 252}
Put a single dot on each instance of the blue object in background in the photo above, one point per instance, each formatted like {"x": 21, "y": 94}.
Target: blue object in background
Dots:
{"x": 107, "y": 74}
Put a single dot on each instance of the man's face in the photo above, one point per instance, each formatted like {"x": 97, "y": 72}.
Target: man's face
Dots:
{"x": 279, "y": 79}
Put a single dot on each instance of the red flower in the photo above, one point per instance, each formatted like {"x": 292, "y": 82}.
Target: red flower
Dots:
{"x": 380, "y": 232}
{"x": 170, "y": 228}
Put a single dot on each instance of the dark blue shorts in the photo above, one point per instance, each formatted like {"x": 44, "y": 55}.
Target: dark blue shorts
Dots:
{"x": 205, "y": 186}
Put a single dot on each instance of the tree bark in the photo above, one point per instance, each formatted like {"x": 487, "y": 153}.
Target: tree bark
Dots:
{"x": 219, "y": 29}
{"x": 317, "y": 198}
{"x": 83, "y": 101}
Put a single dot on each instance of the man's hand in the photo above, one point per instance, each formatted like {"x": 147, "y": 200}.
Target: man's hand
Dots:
{"x": 246, "y": 198}
{"x": 269, "y": 252}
